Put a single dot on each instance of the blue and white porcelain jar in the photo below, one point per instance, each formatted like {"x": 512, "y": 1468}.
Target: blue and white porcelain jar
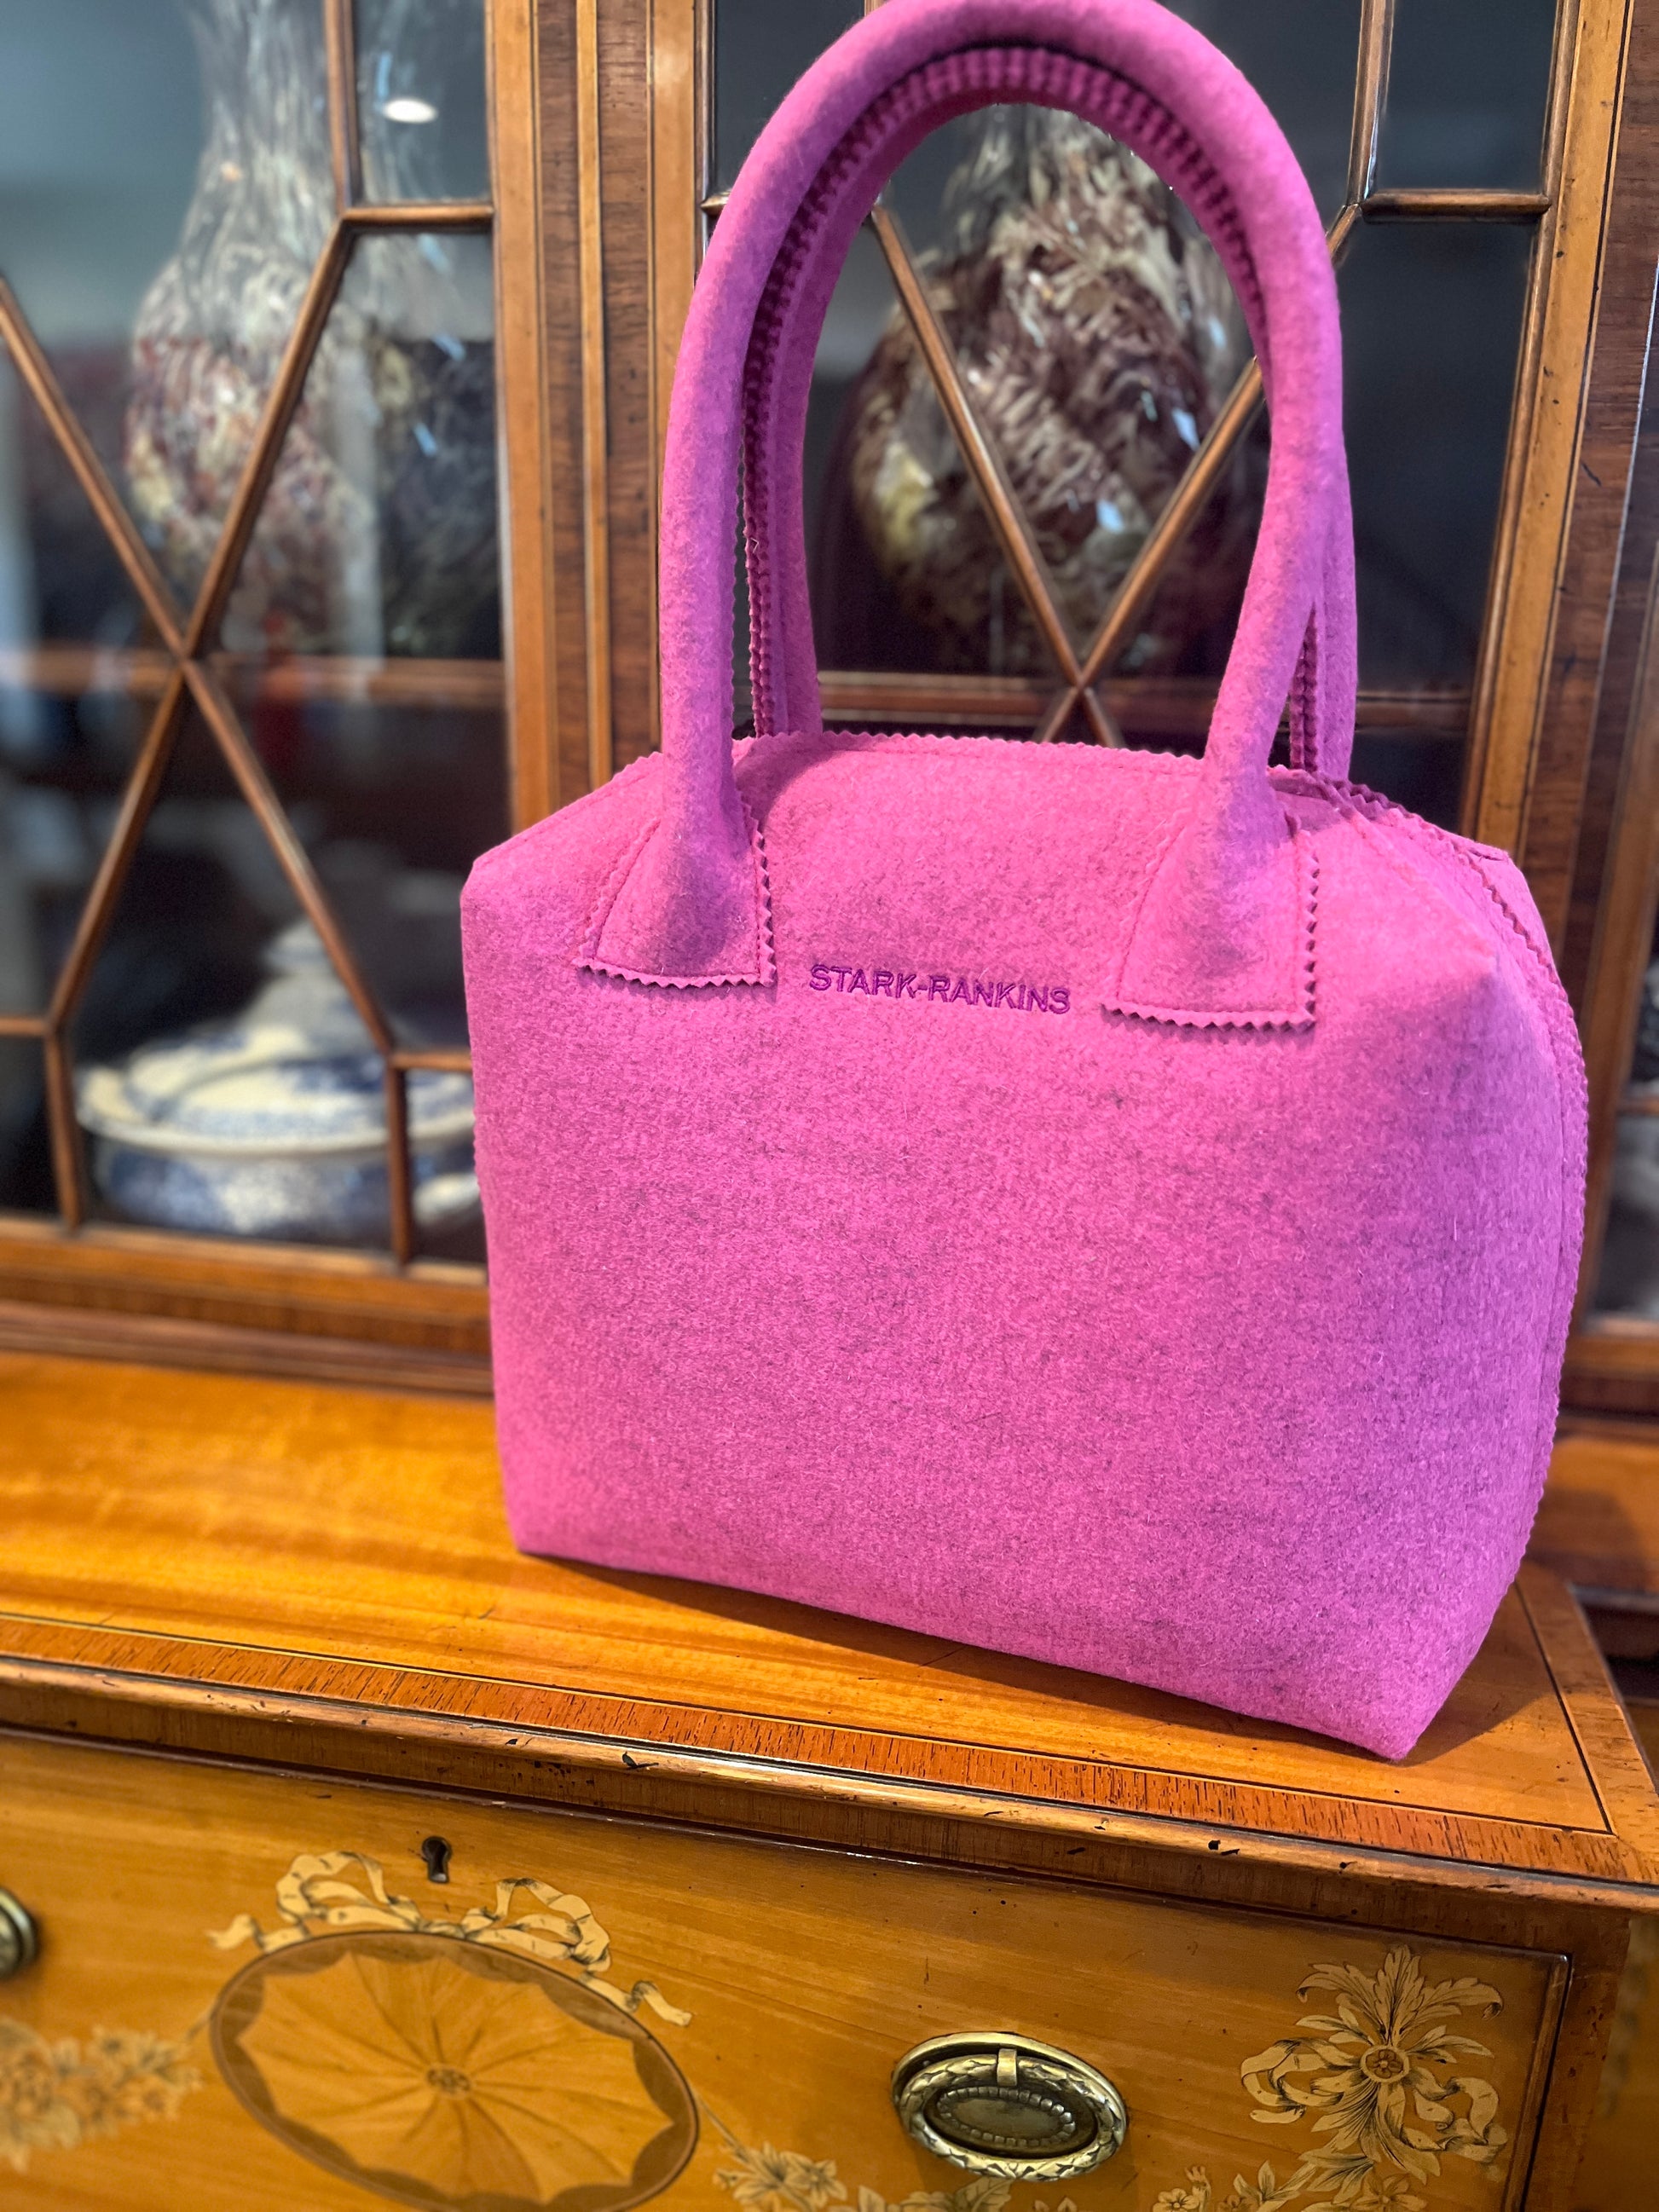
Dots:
{"x": 272, "y": 1124}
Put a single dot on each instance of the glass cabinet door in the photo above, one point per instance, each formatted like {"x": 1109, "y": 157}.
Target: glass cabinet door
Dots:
{"x": 309, "y": 307}
{"x": 251, "y": 721}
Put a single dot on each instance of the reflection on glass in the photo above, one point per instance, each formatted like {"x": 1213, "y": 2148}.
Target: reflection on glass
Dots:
{"x": 65, "y": 741}
{"x": 203, "y": 896}
{"x": 1431, "y": 321}
{"x": 63, "y": 758}
{"x": 213, "y": 323}
{"x": 1301, "y": 56}
{"x": 224, "y": 1081}
{"x": 378, "y": 534}
{"x": 60, "y": 576}
{"x": 421, "y": 100}
{"x": 101, "y": 127}
{"x": 394, "y": 802}
{"x": 1098, "y": 336}
{"x": 1182, "y": 643}
{"x": 67, "y": 736}
{"x": 1630, "y": 1257}
{"x": 1466, "y": 93}
{"x": 165, "y": 192}
{"x": 1417, "y": 769}
{"x": 26, "y": 1184}
{"x": 905, "y": 573}
{"x": 761, "y": 47}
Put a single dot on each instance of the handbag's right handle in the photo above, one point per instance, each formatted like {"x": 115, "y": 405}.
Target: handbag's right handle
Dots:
{"x": 1216, "y": 934}
{"x": 777, "y": 387}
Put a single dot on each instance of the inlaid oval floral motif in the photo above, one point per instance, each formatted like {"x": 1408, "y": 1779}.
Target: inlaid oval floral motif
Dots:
{"x": 448, "y": 2074}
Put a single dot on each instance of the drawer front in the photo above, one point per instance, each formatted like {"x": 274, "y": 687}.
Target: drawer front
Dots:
{"x": 250, "y": 1990}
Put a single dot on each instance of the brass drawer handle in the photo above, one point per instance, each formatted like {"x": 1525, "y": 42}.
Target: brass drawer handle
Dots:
{"x": 1006, "y": 2105}
{"x": 18, "y": 1941}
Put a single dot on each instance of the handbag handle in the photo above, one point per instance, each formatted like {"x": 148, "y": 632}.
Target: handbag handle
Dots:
{"x": 777, "y": 386}
{"x": 689, "y": 905}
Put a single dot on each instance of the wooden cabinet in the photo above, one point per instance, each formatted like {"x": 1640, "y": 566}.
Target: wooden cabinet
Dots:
{"x": 268, "y": 1666}
{"x": 259, "y": 1973}
{"x": 325, "y": 561}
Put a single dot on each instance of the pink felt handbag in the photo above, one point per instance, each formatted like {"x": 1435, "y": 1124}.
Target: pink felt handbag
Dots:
{"x": 1113, "y": 1207}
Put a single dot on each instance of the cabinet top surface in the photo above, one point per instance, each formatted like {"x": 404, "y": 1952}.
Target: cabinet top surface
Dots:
{"x": 335, "y": 1548}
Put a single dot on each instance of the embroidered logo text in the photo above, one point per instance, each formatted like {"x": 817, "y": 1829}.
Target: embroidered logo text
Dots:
{"x": 943, "y": 990}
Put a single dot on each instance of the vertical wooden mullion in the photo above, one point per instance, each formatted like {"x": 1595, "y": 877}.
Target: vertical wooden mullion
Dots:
{"x": 1623, "y": 938}
{"x": 633, "y": 400}
{"x": 70, "y": 1182}
{"x": 523, "y": 431}
{"x": 595, "y": 436}
{"x": 1370, "y": 96}
{"x": 1483, "y": 795}
{"x": 340, "y": 41}
{"x": 399, "y": 1176}
{"x": 1555, "y": 567}
{"x": 678, "y": 90}
{"x": 543, "y": 368}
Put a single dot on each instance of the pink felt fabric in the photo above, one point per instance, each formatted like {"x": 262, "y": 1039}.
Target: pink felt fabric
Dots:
{"x": 1116, "y": 1208}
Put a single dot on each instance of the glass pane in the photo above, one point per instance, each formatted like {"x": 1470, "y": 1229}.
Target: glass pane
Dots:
{"x": 165, "y": 189}
{"x": 225, "y": 1084}
{"x": 67, "y": 733}
{"x": 1172, "y": 665}
{"x": 1415, "y": 769}
{"x": 1301, "y": 56}
{"x": 1432, "y": 320}
{"x": 1466, "y": 93}
{"x": 448, "y": 1214}
{"x": 395, "y": 798}
{"x": 421, "y": 100}
{"x": 64, "y": 755}
{"x": 1630, "y": 1256}
{"x": 378, "y": 534}
{"x": 761, "y": 47}
{"x": 906, "y": 572}
{"x": 1096, "y": 332}
{"x": 26, "y": 1184}
{"x": 59, "y": 575}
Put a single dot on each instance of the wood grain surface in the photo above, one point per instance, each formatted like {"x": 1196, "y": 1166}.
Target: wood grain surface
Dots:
{"x": 1620, "y": 2170}
{"x": 298, "y": 1542}
{"x": 784, "y": 1984}
{"x": 1599, "y": 1523}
